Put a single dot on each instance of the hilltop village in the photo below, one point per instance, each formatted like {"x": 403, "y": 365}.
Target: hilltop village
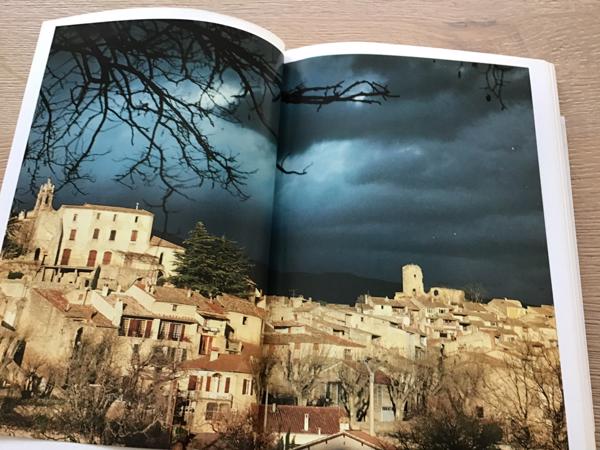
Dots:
{"x": 90, "y": 272}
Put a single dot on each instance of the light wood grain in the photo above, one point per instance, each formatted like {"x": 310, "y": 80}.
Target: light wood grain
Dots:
{"x": 565, "y": 32}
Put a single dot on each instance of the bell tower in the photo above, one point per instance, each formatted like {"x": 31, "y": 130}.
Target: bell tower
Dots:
{"x": 45, "y": 197}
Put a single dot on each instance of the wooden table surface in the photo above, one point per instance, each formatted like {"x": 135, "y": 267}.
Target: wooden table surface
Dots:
{"x": 565, "y": 32}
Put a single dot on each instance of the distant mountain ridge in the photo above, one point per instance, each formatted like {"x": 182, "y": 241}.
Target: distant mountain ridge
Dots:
{"x": 331, "y": 287}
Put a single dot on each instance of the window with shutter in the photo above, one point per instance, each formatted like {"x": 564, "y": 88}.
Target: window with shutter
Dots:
{"x": 64, "y": 260}
{"x": 91, "y": 261}
{"x": 192, "y": 382}
{"x": 148, "y": 329}
{"x": 227, "y": 383}
{"x": 207, "y": 384}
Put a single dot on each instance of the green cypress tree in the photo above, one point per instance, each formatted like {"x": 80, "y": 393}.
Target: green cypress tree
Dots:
{"x": 211, "y": 265}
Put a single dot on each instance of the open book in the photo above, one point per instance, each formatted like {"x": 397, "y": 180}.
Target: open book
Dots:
{"x": 212, "y": 242}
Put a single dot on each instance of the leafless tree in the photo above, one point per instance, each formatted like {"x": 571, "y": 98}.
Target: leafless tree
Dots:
{"x": 526, "y": 391}
{"x": 170, "y": 82}
{"x": 241, "y": 430}
{"x": 94, "y": 402}
{"x": 262, "y": 368}
{"x": 404, "y": 380}
{"x": 301, "y": 374}
{"x": 353, "y": 381}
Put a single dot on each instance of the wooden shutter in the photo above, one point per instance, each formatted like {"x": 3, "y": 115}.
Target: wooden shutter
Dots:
{"x": 244, "y": 387}
{"x": 227, "y": 383}
{"x": 64, "y": 261}
{"x": 192, "y": 382}
{"x": 207, "y": 384}
{"x": 148, "y": 329}
{"x": 91, "y": 261}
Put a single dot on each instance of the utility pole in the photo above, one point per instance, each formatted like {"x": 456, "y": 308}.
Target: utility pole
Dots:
{"x": 371, "y": 398}
{"x": 266, "y": 408}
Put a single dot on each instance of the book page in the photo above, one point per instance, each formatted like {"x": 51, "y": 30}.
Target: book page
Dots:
{"x": 421, "y": 214}
{"x": 137, "y": 206}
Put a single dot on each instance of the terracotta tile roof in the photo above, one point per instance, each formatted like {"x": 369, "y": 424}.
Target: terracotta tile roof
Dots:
{"x": 74, "y": 311}
{"x": 380, "y": 376}
{"x": 290, "y": 418}
{"x": 239, "y": 305}
{"x": 318, "y": 337}
{"x": 374, "y": 441}
{"x": 204, "y": 306}
{"x": 121, "y": 209}
{"x": 155, "y": 241}
{"x": 234, "y": 363}
{"x": 166, "y": 294}
{"x": 131, "y": 307}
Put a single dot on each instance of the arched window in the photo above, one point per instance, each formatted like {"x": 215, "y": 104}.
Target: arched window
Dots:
{"x": 216, "y": 382}
{"x": 66, "y": 254}
{"x": 91, "y": 261}
{"x": 106, "y": 257}
{"x": 36, "y": 255}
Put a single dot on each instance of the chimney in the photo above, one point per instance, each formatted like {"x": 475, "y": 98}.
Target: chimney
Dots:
{"x": 189, "y": 293}
{"x": 306, "y": 422}
{"x": 118, "y": 313}
{"x": 214, "y": 355}
{"x": 105, "y": 290}
{"x": 273, "y": 407}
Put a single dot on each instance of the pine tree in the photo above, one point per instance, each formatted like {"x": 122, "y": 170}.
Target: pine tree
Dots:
{"x": 211, "y": 265}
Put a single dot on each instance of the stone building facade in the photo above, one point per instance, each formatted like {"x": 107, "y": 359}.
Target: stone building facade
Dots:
{"x": 85, "y": 244}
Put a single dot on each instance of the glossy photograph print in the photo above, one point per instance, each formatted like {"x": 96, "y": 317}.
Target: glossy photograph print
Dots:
{"x": 209, "y": 249}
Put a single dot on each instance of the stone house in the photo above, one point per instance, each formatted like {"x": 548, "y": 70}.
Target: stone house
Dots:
{"x": 213, "y": 385}
{"x": 245, "y": 319}
{"x": 92, "y": 244}
{"x": 52, "y": 323}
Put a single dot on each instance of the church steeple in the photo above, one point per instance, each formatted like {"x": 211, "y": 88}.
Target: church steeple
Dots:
{"x": 45, "y": 197}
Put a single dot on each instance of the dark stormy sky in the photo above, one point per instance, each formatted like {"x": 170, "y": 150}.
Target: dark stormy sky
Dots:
{"x": 438, "y": 176}
{"x": 254, "y": 147}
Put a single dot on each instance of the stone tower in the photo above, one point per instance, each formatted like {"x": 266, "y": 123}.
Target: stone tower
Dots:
{"x": 412, "y": 280}
{"x": 45, "y": 197}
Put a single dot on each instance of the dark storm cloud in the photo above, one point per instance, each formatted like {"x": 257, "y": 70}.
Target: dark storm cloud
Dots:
{"x": 431, "y": 100}
{"x": 242, "y": 135}
{"x": 438, "y": 176}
